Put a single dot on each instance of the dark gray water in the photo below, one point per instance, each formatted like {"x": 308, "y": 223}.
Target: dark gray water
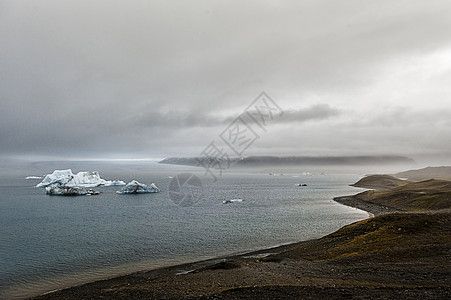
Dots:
{"x": 51, "y": 242}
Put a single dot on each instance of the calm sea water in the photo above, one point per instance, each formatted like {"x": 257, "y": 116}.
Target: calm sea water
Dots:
{"x": 51, "y": 242}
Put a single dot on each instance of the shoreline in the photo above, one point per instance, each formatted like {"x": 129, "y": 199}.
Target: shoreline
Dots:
{"x": 392, "y": 255}
{"x": 189, "y": 267}
{"x": 371, "y": 208}
{"x": 400, "y": 252}
{"x": 178, "y": 269}
{"x": 181, "y": 269}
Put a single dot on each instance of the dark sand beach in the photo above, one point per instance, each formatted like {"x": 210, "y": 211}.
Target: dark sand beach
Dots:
{"x": 403, "y": 252}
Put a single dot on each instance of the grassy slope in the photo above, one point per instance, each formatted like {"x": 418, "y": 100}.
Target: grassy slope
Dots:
{"x": 399, "y": 237}
{"x": 414, "y": 196}
{"x": 380, "y": 182}
{"x": 442, "y": 173}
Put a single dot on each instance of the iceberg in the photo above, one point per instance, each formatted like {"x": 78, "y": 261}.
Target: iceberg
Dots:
{"x": 134, "y": 187}
{"x": 69, "y": 191}
{"x": 81, "y": 179}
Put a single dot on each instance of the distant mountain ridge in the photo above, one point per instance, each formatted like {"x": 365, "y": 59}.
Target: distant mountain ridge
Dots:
{"x": 254, "y": 161}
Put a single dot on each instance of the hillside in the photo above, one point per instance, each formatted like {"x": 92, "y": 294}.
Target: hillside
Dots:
{"x": 380, "y": 182}
{"x": 443, "y": 173}
{"x": 390, "y": 238}
{"x": 414, "y": 196}
{"x": 397, "y": 236}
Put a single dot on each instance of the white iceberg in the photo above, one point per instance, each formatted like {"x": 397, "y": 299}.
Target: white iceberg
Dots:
{"x": 81, "y": 179}
{"x": 33, "y": 177}
{"x": 70, "y": 191}
{"x": 134, "y": 187}
{"x": 232, "y": 201}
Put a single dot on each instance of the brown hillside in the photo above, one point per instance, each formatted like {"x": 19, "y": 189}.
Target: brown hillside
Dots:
{"x": 398, "y": 237}
{"x": 380, "y": 182}
{"x": 443, "y": 173}
{"x": 412, "y": 196}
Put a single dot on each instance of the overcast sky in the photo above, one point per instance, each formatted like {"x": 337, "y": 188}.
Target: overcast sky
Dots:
{"x": 141, "y": 79}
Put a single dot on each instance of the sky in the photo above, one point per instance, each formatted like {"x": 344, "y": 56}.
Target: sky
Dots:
{"x": 152, "y": 79}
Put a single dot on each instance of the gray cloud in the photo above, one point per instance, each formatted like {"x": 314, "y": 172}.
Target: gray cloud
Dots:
{"x": 186, "y": 119}
{"x": 149, "y": 78}
{"x": 316, "y": 112}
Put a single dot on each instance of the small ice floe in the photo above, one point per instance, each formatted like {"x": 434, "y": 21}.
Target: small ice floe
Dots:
{"x": 135, "y": 187}
{"x": 232, "y": 201}
{"x": 170, "y": 177}
{"x": 33, "y": 177}
{"x": 69, "y": 191}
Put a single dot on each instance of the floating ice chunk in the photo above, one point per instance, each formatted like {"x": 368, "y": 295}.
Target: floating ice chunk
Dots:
{"x": 116, "y": 183}
{"x": 83, "y": 179}
{"x": 69, "y": 191}
{"x": 232, "y": 201}
{"x": 33, "y": 177}
{"x": 58, "y": 177}
{"x": 135, "y": 187}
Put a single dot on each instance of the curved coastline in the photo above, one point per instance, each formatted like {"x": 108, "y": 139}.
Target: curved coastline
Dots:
{"x": 403, "y": 252}
{"x": 184, "y": 268}
{"x": 392, "y": 255}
